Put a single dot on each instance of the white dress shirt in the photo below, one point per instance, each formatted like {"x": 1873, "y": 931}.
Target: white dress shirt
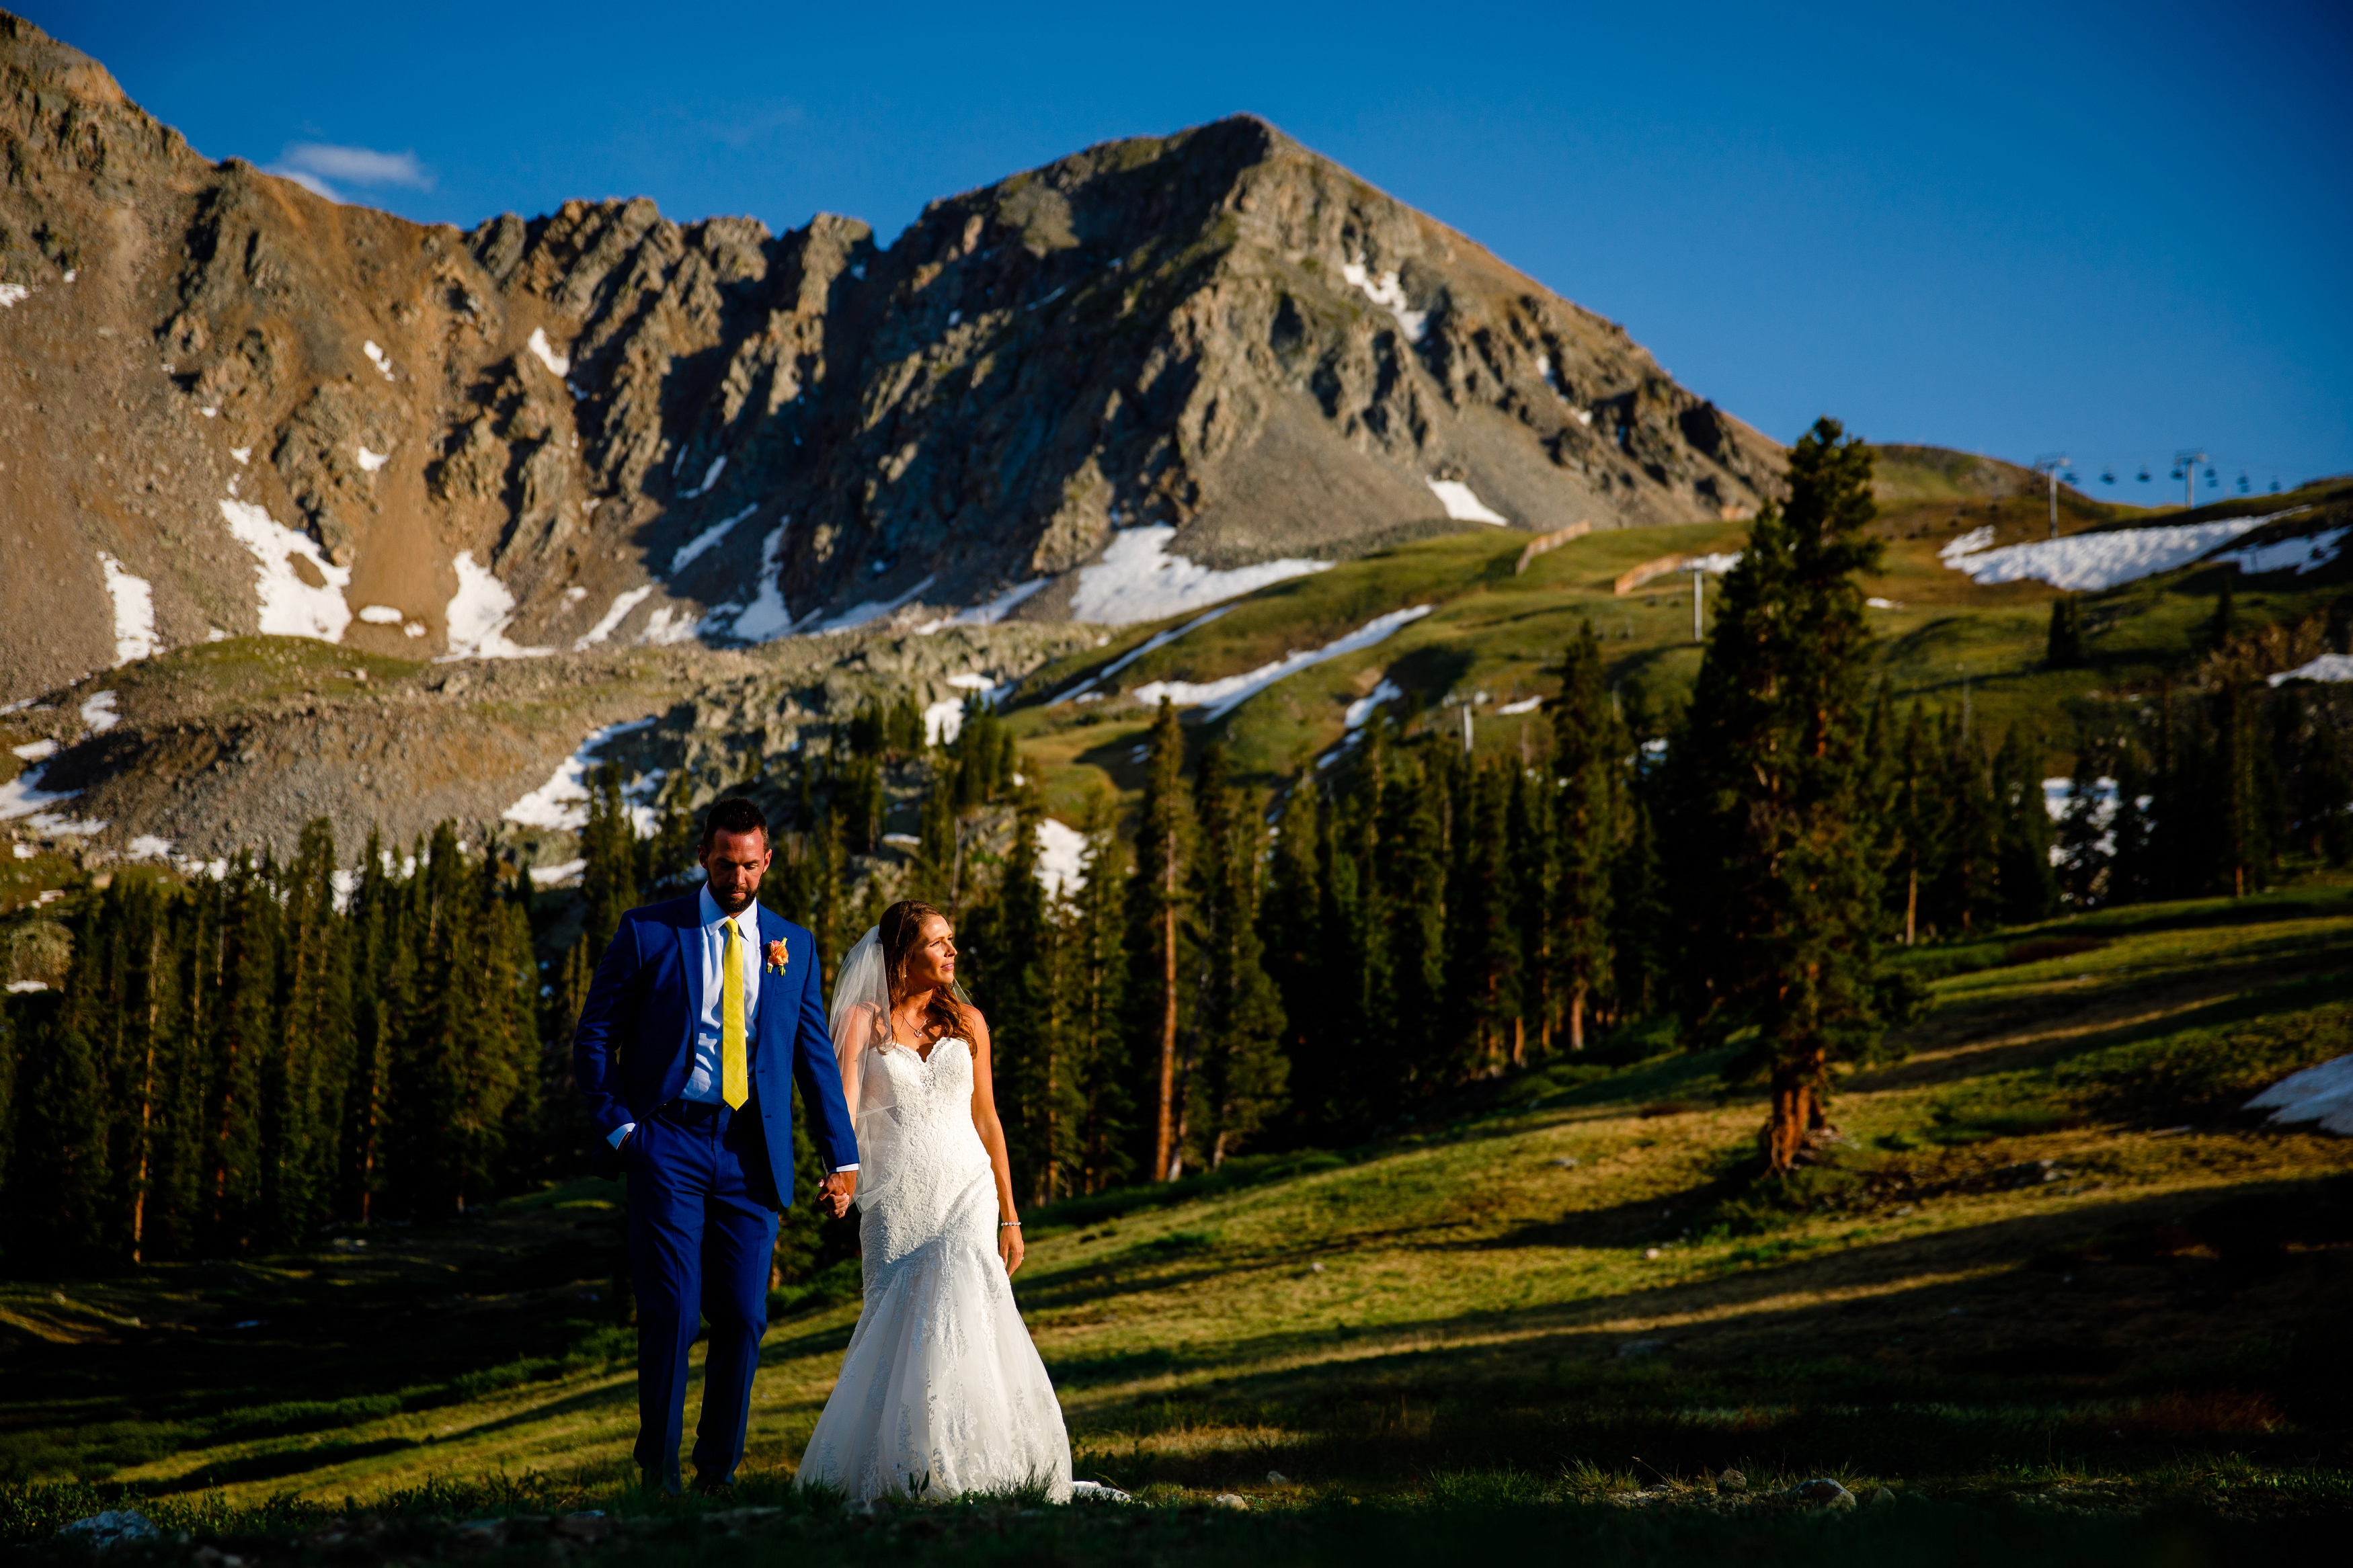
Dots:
{"x": 702, "y": 1080}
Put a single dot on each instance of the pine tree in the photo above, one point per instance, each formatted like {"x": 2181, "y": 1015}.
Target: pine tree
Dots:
{"x": 2225, "y": 624}
{"x": 1967, "y": 885}
{"x": 2132, "y": 874}
{"x": 1915, "y": 824}
{"x": 1156, "y": 914}
{"x": 1093, "y": 972}
{"x": 667, "y": 857}
{"x": 311, "y": 1060}
{"x": 1409, "y": 944}
{"x": 1356, "y": 1086}
{"x": 60, "y": 1178}
{"x": 829, "y": 901}
{"x": 1482, "y": 944}
{"x": 2083, "y": 845}
{"x": 1237, "y": 1081}
{"x": 1639, "y": 914}
{"x": 2324, "y": 801}
{"x": 244, "y": 1030}
{"x": 1780, "y": 920}
{"x": 1291, "y": 933}
{"x": 2238, "y": 781}
{"x": 938, "y": 848}
{"x": 384, "y": 965}
{"x": 2030, "y": 888}
{"x": 609, "y": 883}
{"x": 2064, "y": 650}
{"x": 1019, "y": 952}
{"x": 1586, "y": 745}
{"x": 1530, "y": 847}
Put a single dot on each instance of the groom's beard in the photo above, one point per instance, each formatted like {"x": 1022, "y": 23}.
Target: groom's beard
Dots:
{"x": 734, "y": 903}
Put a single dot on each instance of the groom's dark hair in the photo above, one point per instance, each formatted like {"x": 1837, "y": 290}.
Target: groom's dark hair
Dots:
{"x": 734, "y": 814}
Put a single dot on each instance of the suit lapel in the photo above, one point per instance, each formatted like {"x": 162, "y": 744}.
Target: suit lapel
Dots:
{"x": 771, "y": 985}
{"x": 690, "y": 949}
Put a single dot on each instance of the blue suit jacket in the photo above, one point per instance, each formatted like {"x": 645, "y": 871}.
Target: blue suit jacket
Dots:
{"x": 634, "y": 1043}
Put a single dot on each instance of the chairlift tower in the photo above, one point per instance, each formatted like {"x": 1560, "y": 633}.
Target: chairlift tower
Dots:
{"x": 2187, "y": 458}
{"x": 2049, "y": 464}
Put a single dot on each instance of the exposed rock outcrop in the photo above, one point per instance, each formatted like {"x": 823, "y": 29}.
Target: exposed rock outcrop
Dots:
{"x": 1218, "y": 331}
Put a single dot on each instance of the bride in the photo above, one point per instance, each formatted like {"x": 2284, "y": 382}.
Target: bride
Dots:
{"x": 940, "y": 1392}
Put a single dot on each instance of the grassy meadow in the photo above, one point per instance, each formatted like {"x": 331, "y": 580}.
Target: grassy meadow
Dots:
{"x": 2053, "y": 1282}
{"x": 1493, "y": 636}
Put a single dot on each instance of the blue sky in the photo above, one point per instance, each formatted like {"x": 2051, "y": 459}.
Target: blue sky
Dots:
{"x": 2110, "y": 230}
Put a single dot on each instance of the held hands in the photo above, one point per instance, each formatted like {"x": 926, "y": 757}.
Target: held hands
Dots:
{"x": 836, "y": 1190}
{"x": 1008, "y": 1245}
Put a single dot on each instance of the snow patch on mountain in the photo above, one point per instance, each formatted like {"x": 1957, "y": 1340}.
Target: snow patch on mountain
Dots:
{"x": 1138, "y": 580}
{"x": 2306, "y": 553}
{"x": 2084, "y": 562}
{"x": 1061, "y": 858}
{"x": 1462, "y": 504}
{"x": 538, "y": 344}
{"x": 703, "y": 544}
{"x": 290, "y": 605}
{"x": 615, "y": 613}
{"x": 478, "y": 613}
{"x": 2331, "y": 667}
{"x": 563, "y": 800}
{"x": 990, "y": 613}
{"x": 134, "y": 610}
{"x": 1222, "y": 696}
{"x": 1388, "y": 293}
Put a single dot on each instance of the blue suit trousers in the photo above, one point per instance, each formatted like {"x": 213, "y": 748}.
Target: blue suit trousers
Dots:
{"x": 702, "y": 1228}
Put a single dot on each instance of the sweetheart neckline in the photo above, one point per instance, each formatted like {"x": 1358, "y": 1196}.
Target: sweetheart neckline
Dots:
{"x": 924, "y": 1057}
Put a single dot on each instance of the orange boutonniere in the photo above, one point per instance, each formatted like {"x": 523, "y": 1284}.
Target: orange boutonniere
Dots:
{"x": 778, "y": 956}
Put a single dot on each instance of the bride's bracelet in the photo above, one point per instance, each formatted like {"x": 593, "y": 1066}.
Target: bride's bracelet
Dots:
{"x": 1008, "y": 1225}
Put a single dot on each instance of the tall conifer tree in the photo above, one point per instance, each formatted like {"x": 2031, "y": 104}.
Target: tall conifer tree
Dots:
{"x": 1586, "y": 745}
{"x": 1094, "y": 971}
{"x": 1156, "y": 918}
{"x": 1780, "y": 913}
{"x": 1239, "y": 1071}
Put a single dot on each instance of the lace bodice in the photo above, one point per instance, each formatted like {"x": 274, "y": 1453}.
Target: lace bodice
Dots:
{"x": 917, "y": 1147}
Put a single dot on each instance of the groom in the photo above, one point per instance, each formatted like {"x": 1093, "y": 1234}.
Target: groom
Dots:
{"x": 702, "y": 1015}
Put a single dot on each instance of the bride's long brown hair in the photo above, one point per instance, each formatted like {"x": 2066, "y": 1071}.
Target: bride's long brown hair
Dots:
{"x": 901, "y": 934}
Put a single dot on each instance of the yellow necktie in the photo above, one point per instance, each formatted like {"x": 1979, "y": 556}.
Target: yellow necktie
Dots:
{"x": 734, "y": 1082}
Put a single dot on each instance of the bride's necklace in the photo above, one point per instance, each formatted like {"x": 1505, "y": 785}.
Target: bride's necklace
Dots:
{"x": 923, "y": 1048}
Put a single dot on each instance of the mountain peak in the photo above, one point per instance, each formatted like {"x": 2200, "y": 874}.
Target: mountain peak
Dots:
{"x": 602, "y": 426}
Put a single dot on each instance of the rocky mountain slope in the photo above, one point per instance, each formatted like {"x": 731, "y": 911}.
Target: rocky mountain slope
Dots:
{"x": 1148, "y": 375}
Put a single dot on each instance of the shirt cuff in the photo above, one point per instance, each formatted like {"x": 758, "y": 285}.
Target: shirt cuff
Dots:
{"x": 851, "y": 1166}
{"x": 617, "y": 1133}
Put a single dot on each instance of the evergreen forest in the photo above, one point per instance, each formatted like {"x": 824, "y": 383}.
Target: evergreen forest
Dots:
{"x": 238, "y": 1063}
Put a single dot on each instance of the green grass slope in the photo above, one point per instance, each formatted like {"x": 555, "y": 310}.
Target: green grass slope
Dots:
{"x": 2051, "y": 1258}
{"x": 1495, "y": 636}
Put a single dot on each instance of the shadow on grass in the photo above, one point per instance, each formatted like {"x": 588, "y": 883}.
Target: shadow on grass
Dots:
{"x": 2297, "y": 993}
{"x": 1884, "y": 1359}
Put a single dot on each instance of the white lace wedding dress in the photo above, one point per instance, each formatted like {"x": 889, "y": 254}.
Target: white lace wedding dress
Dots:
{"x": 942, "y": 1392}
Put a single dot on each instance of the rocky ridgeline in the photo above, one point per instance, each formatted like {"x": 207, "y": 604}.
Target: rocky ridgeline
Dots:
{"x": 195, "y": 754}
{"x": 236, "y": 407}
